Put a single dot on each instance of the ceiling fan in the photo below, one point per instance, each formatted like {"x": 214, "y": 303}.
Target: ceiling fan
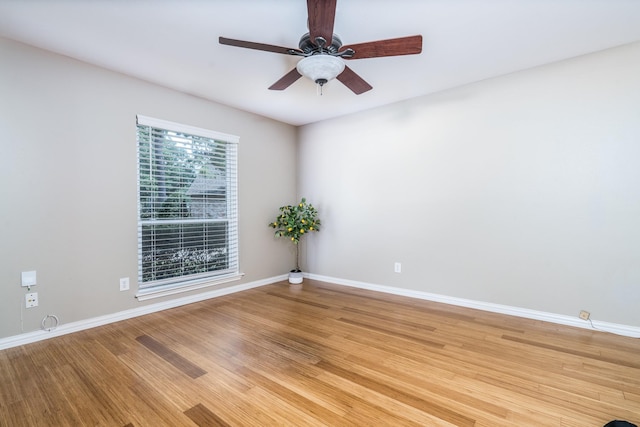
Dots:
{"x": 323, "y": 53}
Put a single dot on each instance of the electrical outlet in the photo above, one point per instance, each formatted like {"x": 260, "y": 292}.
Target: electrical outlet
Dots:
{"x": 584, "y": 315}
{"x": 31, "y": 300}
{"x": 124, "y": 284}
{"x": 397, "y": 267}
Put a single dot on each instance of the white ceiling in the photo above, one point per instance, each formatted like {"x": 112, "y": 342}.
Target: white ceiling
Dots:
{"x": 175, "y": 44}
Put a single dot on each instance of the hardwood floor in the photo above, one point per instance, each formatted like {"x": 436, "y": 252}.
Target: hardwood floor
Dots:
{"x": 325, "y": 355}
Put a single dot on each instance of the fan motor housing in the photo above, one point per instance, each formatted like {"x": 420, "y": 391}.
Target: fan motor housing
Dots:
{"x": 309, "y": 47}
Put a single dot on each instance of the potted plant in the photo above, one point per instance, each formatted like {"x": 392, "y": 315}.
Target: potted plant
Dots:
{"x": 295, "y": 222}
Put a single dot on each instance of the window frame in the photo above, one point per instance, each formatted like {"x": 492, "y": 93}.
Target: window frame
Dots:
{"x": 178, "y": 284}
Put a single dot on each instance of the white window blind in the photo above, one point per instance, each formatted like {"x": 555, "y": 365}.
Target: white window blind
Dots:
{"x": 187, "y": 204}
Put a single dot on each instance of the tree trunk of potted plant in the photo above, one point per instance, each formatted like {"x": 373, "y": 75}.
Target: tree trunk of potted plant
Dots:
{"x": 295, "y": 276}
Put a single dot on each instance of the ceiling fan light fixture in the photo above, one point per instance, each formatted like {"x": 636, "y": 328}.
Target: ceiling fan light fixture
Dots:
{"x": 321, "y": 68}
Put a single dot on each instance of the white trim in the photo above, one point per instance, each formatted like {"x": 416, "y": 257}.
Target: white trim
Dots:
{"x": 177, "y": 288}
{"x": 68, "y": 328}
{"x": 192, "y": 130}
{"x": 615, "y": 328}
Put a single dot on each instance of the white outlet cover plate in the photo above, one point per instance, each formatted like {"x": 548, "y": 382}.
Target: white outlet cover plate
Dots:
{"x": 31, "y": 300}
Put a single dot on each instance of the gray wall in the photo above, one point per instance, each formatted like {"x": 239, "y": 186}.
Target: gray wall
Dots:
{"x": 68, "y": 183}
{"x": 522, "y": 190}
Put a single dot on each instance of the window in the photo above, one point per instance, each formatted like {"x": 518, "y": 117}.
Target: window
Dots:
{"x": 187, "y": 207}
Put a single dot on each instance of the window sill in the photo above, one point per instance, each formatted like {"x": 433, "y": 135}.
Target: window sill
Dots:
{"x": 178, "y": 288}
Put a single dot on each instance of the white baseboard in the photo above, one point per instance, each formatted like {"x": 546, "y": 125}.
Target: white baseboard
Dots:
{"x": 625, "y": 330}
{"x": 68, "y": 328}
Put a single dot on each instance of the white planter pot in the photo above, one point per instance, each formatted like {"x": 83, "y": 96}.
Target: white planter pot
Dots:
{"x": 295, "y": 277}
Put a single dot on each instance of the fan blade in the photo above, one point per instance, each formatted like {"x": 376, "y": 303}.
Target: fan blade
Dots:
{"x": 321, "y": 15}
{"x": 353, "y": 81}
{"x": 286, "y": 81}
{"x": 411, "y": 45}
{"x": 258, "y": 46}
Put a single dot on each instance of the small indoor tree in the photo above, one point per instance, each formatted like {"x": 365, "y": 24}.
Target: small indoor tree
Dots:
{"x": 295, "y": 222}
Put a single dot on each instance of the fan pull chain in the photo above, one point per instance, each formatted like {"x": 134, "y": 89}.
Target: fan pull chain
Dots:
{"x": 320, "y": 83}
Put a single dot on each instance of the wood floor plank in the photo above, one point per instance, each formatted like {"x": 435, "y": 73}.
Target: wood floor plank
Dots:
{"x": 203, "y": 417}
{"x": 369, "y": 408}
{"x": 393, "y": 333}
{"x": 298, "y": 300}
{"x": 309, "y": 406}
{"x": 391, "y": 320}
{"x": 171, "y": 356}
{"x": 406, "y": 398}
{"x": 616, "y": 361}
{"x": 324, "y": 355}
